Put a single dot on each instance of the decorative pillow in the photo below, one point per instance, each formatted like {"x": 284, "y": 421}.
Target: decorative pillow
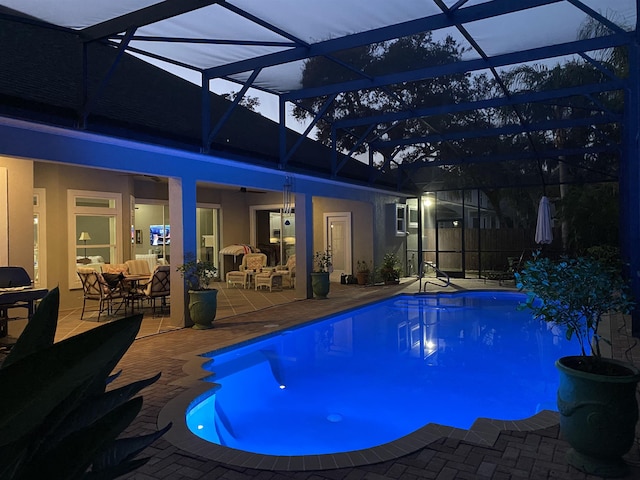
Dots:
{"x": 115, "y": 268}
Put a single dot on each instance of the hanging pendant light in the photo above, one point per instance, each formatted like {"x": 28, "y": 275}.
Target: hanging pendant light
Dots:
{"x": 286, "y": 196}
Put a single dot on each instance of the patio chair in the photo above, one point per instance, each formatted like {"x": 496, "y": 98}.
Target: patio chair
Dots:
{"x": 288, "y": 272}
{"x": 96, "y": 288}
{"x": 138, "y": 267}
{"x": 159, "y": 286}
{"x": 251, "y": 263}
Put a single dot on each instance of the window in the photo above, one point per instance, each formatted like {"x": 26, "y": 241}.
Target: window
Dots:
{"x": 94, "y": 232}
{"x": 401, "y": 220}
{"x": 413, "y": 217}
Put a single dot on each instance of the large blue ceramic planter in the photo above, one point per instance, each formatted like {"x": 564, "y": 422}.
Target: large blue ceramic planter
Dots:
{"x": 598, "y": 414}
{"x": 203, "y": 305}
{"x": 320, "y": 284}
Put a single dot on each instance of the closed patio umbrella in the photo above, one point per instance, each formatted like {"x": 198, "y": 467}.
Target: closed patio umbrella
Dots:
{"x": 544, "y": 232}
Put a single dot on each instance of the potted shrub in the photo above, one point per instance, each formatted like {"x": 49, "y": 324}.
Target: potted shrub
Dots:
{"x": 390, "y": 269}
{"x": 363, "y": 270}
{"x": 320, "y": 275}
{"x": 203, "y": 300}
{"x": 596, "y": 395}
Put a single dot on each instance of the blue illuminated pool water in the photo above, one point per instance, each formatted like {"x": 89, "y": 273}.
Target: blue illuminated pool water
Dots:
{"x": 372, "y": 375}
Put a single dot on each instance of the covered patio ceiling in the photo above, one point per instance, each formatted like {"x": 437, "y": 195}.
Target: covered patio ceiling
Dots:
{"x": 518, "y": 125}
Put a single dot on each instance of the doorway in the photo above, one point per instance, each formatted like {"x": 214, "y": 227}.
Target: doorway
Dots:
{"x": 274, "y": 232}
{"x": 337, "y": 240}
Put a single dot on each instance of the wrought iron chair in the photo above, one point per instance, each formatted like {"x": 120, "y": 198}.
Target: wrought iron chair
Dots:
{"x": 96, "y": 288}
{"x": 159, "y": 286}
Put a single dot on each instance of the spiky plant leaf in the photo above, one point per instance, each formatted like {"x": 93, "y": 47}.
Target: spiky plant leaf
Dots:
{"x": 39, "y": 331}
{"x": 40, "y": 381}
{"x": 89, "y": 412}
{"x": 125, "y": 449}
{"x": 116, "y": 471}
{"x": 74, "y": 455}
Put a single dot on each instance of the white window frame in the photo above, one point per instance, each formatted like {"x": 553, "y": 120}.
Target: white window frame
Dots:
{"x": 73, "y": 211}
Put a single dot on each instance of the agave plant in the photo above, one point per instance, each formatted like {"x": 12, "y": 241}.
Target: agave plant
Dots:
{"x": 57, "y": 418}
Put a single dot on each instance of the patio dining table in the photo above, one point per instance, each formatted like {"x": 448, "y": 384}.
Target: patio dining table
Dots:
{"x": 13, "y": 297}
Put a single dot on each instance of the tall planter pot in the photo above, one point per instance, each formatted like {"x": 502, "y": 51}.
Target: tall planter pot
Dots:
{"x": 598, "y": 415}
{"x": 320, "y": 284}
{"x": 203, "y": 305}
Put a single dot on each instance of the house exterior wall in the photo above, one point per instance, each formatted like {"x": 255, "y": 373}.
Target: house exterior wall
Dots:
{"x": 78, "y": 160}
{"x": 20, "y": 211}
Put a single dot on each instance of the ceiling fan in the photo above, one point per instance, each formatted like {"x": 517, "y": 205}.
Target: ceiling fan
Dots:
{"x": 245, "y": 190}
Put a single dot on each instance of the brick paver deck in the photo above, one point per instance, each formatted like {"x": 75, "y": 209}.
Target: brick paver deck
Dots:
{"x": 514, "y": 455}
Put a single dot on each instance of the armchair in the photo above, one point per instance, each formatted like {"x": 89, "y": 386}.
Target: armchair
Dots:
{"x": 251, "y": 262}
{"x": 158, "y": 287}
{"x": 288, "y": 272}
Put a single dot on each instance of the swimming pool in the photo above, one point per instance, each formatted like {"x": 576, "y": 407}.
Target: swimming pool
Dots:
{"x": 374, "y": 374}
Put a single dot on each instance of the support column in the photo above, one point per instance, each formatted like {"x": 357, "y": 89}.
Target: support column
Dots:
{"x": 182, "y": 213}
{"x": 304, "y": 245}
{"x": 629, "y": 180}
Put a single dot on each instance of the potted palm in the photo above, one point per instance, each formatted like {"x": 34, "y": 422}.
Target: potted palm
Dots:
{"x": 203, "y": 300}
{"x": 596, "y": 395}
{"x": 363, "y": 270}
{"x": 320, "y": 275}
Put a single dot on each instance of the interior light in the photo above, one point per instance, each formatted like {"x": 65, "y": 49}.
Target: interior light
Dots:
{"x": 427, "y": 202}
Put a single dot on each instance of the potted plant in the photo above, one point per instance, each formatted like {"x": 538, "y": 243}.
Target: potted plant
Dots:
{"x": 596, "y": 395}
{"x": 390, "y": 269}
{"x": 203, "y": 301}
{"x": 363, "y": 270}
{"x": 320, "y": 275}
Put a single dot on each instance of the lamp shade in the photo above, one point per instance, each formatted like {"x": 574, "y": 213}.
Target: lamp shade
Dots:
{"x": 84, "y": 236}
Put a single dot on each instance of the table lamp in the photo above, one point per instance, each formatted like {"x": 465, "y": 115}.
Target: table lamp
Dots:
{"x": 84, "y": 236}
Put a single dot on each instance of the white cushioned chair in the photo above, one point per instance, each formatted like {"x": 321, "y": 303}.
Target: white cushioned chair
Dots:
{"x": 288, "y": 272}
{"x": 251, "y": 263}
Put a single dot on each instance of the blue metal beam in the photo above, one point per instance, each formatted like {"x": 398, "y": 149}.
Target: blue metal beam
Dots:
{"x": 520, "y": 98}
{"x": 144, "y": 16}
{"x": 434, "y": 22}
{"x": 519, "y": 155}
{"x": 630, "y": 178}
{"x": 466, "y": 66}
{"x": 506, "y": 130}
{"x": 313, "y": 123}
{"x": 90, "y": 101}
{"x": 232, "y": 107}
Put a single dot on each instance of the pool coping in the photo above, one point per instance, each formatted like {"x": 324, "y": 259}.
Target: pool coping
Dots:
{"x": 484, "y": 431}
